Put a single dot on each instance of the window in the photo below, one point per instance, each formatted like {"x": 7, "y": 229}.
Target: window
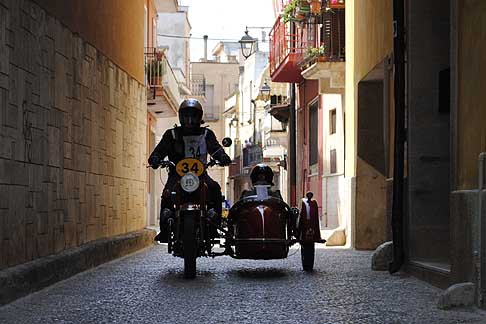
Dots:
{"x": 333, "y": 162}
{"x": 332, "y": 121}
{"x": 313, "y": 133}
{"x": 211, "y": 111}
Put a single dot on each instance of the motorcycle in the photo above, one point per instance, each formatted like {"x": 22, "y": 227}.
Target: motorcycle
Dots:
{"x": 191, "y": 231}
{"x": 257, "y": 227}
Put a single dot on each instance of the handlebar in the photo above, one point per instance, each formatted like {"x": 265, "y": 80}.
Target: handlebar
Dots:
{"x": 163, "y": 164}
{"x": 166, "y": 163}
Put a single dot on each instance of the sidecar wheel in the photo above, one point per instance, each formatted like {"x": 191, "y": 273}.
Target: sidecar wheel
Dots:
{"x": 189, "y": 245}
{"x": 307, "y": 251}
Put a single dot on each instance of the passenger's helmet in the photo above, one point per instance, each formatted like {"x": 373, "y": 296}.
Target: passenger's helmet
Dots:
{"x": 261, "y": 174}
{"x": 190, "y": 113}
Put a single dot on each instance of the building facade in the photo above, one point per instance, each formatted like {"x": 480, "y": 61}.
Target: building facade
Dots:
{"x": 72, "y": 125}
{"x": 438, "y": 233}
{"x": 213, "y": 80}
{"x": 307, "y": 50}
{"x": 167, "y": 80}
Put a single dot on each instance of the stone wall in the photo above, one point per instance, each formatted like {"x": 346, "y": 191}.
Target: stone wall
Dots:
{"x": 72, "y": 139}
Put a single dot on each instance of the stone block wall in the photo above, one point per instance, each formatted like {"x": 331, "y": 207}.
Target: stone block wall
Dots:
{"x": 72, "y": 139}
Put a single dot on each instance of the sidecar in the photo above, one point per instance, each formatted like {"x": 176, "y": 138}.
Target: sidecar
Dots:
{"x": 263, "y": 227}
{"x": 260, "y": 228}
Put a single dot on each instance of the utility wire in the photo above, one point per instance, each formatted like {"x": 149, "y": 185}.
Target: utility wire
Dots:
{"x": 201, "y": 38}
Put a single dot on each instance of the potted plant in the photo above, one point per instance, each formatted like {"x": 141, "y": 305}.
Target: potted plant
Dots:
{"x": 316, "y": 53}
{"x": 303, "y": 8}
{"x": 288, "y": 11}
{"x": 296, "y": 10}
{"x": 315, "y": 6}
{"x": 336, "y": 4}
{"x": 154, "y": 71}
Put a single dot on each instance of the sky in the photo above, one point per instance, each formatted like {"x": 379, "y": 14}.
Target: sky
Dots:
{"x": 226, "y": 19}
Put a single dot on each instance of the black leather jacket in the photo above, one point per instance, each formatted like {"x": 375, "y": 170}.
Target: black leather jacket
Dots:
{"x": 180, "y": 142}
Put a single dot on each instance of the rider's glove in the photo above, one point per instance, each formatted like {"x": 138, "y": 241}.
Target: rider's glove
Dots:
{"x": 154, "y": 161}
{"x": 224, "y": 159}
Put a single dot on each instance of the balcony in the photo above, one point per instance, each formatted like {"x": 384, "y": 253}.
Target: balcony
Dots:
{"x": 212, "y": 113}
{"x": 252, "y": 155}
{"x": 163, "y": 95}
{"x": 198, "y": 85}
{"x": 290, "y": 52}
{"x": 330, "y": 33}
{"x": 286, "y": 51}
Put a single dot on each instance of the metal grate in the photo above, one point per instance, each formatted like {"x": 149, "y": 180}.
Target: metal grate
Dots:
{"x": 198, "y": 85}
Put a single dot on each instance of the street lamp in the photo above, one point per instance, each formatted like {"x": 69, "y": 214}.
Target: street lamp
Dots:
{"x": 265, "y": 91}
{"x": 248, "y": 45}
{"x": 234, "y": 122}
{"x": 264, "y": 95}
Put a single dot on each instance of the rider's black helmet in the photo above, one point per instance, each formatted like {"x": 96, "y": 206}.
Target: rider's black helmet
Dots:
{"x": 261, "y": 174}
{"x": 190, "y": 113}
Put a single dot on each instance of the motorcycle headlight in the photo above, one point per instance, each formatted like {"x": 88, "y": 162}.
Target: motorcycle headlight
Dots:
{"x": 190, "y": 182}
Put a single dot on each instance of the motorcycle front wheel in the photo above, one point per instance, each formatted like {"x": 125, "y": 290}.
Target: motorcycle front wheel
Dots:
{"x": 189, "y": 246}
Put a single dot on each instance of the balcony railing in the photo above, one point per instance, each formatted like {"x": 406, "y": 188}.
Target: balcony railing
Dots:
{"x": 333, "y": 34}
{"x": 159, "y": 76}
{"x": 212, "y": 113}
{"x": 288, "y": 50}
{"x": 252, "y": 155}
{"x": 198, "y": 85}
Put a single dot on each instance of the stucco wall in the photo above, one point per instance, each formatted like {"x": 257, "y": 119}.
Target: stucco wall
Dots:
{"x": 224, "y": 77}
{"x": 371, "y": 219}
{"x": 369, "y": 39}
{"x": 176, "y": 23}
{"x": 115, "y": 27}
{"x": 151, "y": 19}
{"x": 72, "y": 139}
{"x": 471, "y": 87}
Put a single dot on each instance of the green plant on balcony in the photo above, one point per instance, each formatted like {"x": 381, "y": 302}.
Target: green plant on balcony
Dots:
{"x": 289, "y": 10}
{"x": 315, "y": 53}
{"x": 303, "y": 9}
{"x": 154, "y": 70}
{"x": 296, "y": 10}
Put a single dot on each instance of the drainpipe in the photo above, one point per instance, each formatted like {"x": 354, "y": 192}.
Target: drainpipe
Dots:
{"x": 292, "y": 164}
{"x": 398, "y": 170}
{"x": 480, "y": 256}
{"x": 205, "y": 48}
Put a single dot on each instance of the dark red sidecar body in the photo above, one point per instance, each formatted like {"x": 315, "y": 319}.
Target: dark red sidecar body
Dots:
{"x": 260, "y": 229}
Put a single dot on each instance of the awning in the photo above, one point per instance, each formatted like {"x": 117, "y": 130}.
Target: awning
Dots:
{"x": 280, "y": 112}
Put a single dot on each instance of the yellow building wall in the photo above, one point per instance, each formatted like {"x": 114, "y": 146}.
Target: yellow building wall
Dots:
{"x": 115, "y": 27}
{"x": 369, "y": 39}
{"x": 151, "y": 24}
{"x": 471, "y": 87}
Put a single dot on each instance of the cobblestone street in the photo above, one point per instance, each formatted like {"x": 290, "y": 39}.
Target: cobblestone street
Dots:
{"x": 148, "y": 287}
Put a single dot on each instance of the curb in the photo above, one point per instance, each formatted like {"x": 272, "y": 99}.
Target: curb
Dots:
{"x": 23, "y": 279}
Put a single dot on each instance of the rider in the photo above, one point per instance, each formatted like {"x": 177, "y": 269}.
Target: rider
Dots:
{"x": 188, "y": 140}
{"x": 261, "y": 175}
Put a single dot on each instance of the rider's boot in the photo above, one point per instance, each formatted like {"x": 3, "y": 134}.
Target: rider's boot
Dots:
{"x": 165, "y": 215}
{"x": 215, "y": 221}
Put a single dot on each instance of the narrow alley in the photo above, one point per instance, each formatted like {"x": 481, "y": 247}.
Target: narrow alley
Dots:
{"x": 154, "y": 152}
{"x": 148, "y": 287}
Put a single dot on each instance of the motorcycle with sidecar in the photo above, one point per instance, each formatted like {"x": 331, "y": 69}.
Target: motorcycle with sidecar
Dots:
{"x": 257, "y": 227}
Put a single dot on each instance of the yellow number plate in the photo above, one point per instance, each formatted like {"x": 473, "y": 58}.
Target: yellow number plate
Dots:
{"x": 190, "y": 165}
